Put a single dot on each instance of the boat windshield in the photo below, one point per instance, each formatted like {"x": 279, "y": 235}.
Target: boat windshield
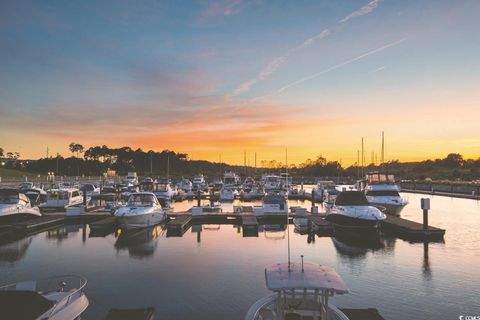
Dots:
{"x": 351, "y": 198}
{"x": 274, "y": 199}
{"x": 58, "y": 195}
{"x": 383, "y": 193}
{"x": 141, "y": 200}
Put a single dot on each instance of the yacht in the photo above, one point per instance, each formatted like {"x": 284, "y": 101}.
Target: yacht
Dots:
{"x": 286, "y": 181}
{"x": 227, "y": 194}
{"x": 352, "y": 212}
{"x": 299, "y": 291}
{"x": 62, "y": 198}
{"x": 271, "y": 183}
{"x": 142, "y": 210}
{"x": 198, "y": 182}
{"x": 382, "y": 192}
{"x": 185, "y": 185}
{"x": 89, "y": 189}
{"x": 15, "y": 206}
{"x": 57, "y": 298}
{"x": 273, "y": 204}
{"x": 132, "y": 178}
{"x": 231, "y": 180}
{"x": 319, "y": 189}
{"x": 330, "y": 195}
{"x": 248, "y": 184}
{"x": 36, "y": 195}
{"x": 165, "y": 191}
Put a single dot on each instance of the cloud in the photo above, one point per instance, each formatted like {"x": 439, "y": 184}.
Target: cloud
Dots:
{"x": 275, "y": 64}
{"x": 294, "y": 83}
{"x": 366, "y": 9}
{"x": 222, "y": 8}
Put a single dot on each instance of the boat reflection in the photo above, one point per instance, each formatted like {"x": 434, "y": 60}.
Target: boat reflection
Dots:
{"x": 62, "y": 233}
{"x": 14, "y": 251}
{"x": 140, "y": 243}
{"x": 274, "y": 231}
{"x": 354, "y": 248}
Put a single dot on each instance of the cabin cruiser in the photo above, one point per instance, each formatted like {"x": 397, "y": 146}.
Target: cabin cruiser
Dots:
{"x": 26, "y": 185}
{"x": 147, "y": 185}
{"x": 271, "y": 183}
{"x": 299, "y": 291}
{"x": 352, "y": 212}
{"x": 286, "y": 181}
{"x": 89, "y": 189}
{"x": 142, "y": 210}
{"x": 57, "y": 298}
{"x": 15, "y": 206}
{"x": 185, "y": 185}
{"x": 330, "y": 195}
{"x": 382, "y": 192}
{"x": 227, "y": 194}
{"x": 273, "y": 204}
{"x": 132, "y": 178}
{"x": 62, "y": 198}
{"x": 36, "y": 195}
{"x": 255, "y": 193}
{"x": 165, "y": 191}
{"x": 231, "y": 180}
{"x": 248, "y": 184}
{"x": 198, "y": 182}
{"x": 319, "y": 190}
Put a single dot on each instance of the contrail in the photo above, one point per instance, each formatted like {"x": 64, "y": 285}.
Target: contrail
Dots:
{"x": 340, "y": 65}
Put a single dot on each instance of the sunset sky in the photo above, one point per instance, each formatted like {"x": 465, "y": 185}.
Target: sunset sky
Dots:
{"x": 228, "y": 76}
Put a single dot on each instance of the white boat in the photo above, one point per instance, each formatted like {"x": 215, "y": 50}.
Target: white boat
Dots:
{"x": 382, "y": 192}
{"x": 165, "y": 191}
{"x": 89, "y": 189}
{"x": 231, "y": 180}
{"x": 273, "y": 204}
{"x": 319, "y": 190}
{"x": 57, "y": 298}
{"x": 330, "y": 194}
{"x": 185, "y": 185}
{"x": 299, "y": 291}
{"x": 271, "y": 183}
{"x": 36, "y": 195}
{"x": 286, "y": 181}
{"x": 132, "y": 178}
{"x": 248, "y": 184}
{"x": 142, "y": 210}
{"x": 60, "y": 199}
{"x": 15, "y": 206}
{"x": 227, "y": 194}
{"x": 352, "y": 213}
{"x": 198, "y": 182}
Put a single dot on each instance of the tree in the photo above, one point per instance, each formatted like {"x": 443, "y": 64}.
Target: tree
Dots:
{"x": 75, "y": 148}
{"x": 1, "y": 152}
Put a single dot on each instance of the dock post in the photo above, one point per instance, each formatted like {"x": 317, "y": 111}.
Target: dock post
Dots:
{"x": 425, "y": 204}
{"x": 198, "y": 198}
{"x": 85, "y": 198}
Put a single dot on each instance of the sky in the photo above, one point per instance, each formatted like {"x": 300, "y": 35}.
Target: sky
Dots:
{"x": 215, "y": 79}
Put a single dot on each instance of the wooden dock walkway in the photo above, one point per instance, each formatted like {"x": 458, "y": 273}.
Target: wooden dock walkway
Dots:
{"x": 178, "y": 224}
{"x": 249, "y": 226}
{"x": 410, "y": 230}
{"x": 323, "y": 226}
{"x": 40, "y": 222}
{"x": 106, "y": 223}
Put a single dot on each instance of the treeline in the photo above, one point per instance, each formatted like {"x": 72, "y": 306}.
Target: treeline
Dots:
{"x": 98, "y": 159}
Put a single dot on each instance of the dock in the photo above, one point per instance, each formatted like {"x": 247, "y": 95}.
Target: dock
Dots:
{"x": 106, "y": 223}
{"x": 39, "y": 223}
{"x": 362, "y": 314}
{"x": 323, "y": 226}
{"x": 410, "y": 230}
{"x": 249, "y": 226}
{"x": 178, "y": 224}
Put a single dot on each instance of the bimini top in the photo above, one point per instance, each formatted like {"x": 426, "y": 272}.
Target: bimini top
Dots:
{"x": 314, "y": 276}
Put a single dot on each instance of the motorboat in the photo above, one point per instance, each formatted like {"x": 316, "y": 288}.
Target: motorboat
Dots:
{"x": 330, "y": 195}
{"x": 56, "y": 298}
{"x": 26, "y": 185}
{"x": 382, "y": 192}
{"x": 15, "y": 206}
{"x": 147, "y": 185}
{"x": 185, "y": 185}
{"x": 273, "y": 204}
{"x": 319, "y": 190}
{"x": 142, "y": 210}
{"x": 198, "y": 182}
{"x": 60, "y": 199}
{"x": 36, "y": 195}
{"x": 227, "y": 194}
{"x": 165, "y": 191}
{"x": 231, "y": 180}
{"x": 352, "y": 212}
{"x": 132, "y": 178}
{"x": 286, "y": 181}
{"x": 271, "y": 183}
{"x": 248, "y": 184}
{"x": 89, "y": 189}
{"x": 299, "y": 291}
{"x": 255, "y": 193}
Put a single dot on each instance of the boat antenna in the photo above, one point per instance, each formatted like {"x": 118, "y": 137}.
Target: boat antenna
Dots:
{"x": 288, "y": 217}
{"x": 301, "y": 256}
{"x": 383, "y": 148}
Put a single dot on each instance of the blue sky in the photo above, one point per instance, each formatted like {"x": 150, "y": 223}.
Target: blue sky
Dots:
{"x": 153, "y": 74}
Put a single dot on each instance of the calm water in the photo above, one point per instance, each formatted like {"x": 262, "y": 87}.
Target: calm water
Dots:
{"x": 216, "y": 273}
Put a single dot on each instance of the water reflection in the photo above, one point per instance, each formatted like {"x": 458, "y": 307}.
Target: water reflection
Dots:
{"x": 274, "y": 231}
{"x": 140, "y": 243}
{"x": 14, "y": 251}
{"x": 62, "y": 233}
{"x": 427, "y": 271}
{"x": 354, "y": 248}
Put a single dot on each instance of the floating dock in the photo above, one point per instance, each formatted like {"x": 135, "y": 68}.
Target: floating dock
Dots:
{"x": 410, "y": 230}
{"x": 102, "y": 224}
{"x": 362, "y": 314}
{"x": 249, "y": 226}
{"x": 178, "y": 225}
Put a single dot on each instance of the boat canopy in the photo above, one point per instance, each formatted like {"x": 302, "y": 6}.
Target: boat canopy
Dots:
{"x": 313, "y": 277}
{"x": 23, "y": 304}
{"x": 351, "y": 198}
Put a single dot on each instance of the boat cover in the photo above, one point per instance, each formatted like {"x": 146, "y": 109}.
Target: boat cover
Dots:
{"x": 23, "y": 305}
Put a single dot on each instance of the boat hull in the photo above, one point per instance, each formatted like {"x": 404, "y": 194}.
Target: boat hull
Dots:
{"x": 353, "y": 226}
{"x": 388, "y": 208}
{"x": 141, "y": 221}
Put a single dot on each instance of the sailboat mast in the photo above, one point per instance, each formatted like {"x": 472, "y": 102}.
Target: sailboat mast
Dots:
{"x": 383, "y": 148}
{"x": 288, "y": 217}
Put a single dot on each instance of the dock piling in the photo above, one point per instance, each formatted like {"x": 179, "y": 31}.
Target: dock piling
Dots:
{"x": 425, "y": 204}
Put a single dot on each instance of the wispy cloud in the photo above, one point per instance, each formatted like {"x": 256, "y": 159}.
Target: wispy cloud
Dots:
{"x": 277, "y": 62}
{"x": 222, "y": 8}
{"x": 366, "y": 9}
{"x": 310, "y": 77}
